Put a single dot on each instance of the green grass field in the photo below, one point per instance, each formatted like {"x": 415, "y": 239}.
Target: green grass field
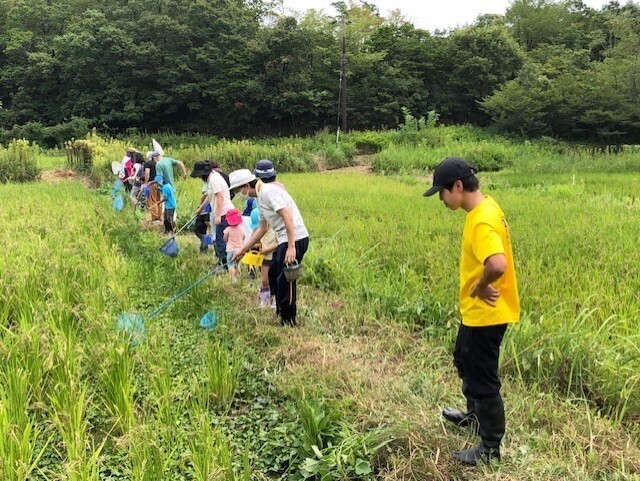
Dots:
{"x": 356, "y": 391}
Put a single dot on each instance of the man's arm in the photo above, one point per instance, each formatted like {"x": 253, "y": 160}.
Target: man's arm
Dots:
{"x": 494, "y": 268}
{"x": 183, "y": 168}
{"x": 255, "y": 237}
{"x": 219, "y": 201}
{"x": 290, "y": 255}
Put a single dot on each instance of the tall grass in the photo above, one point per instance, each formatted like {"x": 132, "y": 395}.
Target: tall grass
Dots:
{"x": 117, "y": 377}
{"x": 19, "y": 431}
{"x": 210, "y": 455}
{"x": 400, "y": 259}
{"x": 494, "y": 153}
{"x": 218, "y": 388}
{"x": 18, "y": 162}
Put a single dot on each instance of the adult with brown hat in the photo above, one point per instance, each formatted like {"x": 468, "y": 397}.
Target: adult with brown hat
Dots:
{"x": 489, "y": 302}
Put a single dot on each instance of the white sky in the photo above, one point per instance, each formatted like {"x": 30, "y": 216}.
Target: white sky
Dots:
{"x": 428, "y": 14}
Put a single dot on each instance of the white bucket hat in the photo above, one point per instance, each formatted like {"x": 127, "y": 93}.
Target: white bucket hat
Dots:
{"x": 240, "y": 177}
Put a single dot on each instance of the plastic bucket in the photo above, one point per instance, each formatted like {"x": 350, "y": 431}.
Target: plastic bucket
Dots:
{"x": 253, "y": 258}
{"x": 293, "y": 272}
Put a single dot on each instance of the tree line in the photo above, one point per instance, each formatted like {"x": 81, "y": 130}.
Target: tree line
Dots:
{"x": 238, "y": 67}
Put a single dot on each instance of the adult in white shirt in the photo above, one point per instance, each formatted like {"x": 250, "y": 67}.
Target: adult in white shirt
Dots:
{"x": 279, "y": 211}
{"x": 218, "y": 196}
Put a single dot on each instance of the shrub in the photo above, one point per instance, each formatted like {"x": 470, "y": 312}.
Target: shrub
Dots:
{"x": 80, "y": 155}
{"x": 487, "y": 156}
{"x": 51, "y": 136}
{"x": 370, "y": 142}
{"x": 57, "y": 135}
{"x": 18, "y": 162}
{"x": 31, "y": 131}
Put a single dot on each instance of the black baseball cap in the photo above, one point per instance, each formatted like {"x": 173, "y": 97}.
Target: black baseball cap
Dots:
{"x": 448, "y": 171}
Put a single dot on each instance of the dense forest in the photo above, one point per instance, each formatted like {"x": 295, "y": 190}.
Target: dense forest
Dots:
{"x": 237, "y": 67}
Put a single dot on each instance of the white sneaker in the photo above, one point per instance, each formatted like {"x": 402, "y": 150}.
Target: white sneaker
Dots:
{"x": 264, "y": 295}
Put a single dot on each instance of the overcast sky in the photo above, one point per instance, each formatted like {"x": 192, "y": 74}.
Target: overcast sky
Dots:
{"x": 428, "y": 14}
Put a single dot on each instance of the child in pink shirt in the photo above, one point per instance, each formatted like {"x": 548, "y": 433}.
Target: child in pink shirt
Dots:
{"x": 234, "y": 237}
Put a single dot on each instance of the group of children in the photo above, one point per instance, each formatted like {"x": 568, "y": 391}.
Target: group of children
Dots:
{"x": 234, "y": 236}
{"x": 142, "y": 181}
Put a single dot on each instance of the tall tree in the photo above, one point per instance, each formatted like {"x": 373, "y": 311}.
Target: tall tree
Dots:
{"x": 476, "y": 61}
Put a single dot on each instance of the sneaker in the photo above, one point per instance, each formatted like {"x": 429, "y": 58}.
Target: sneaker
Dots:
{"x": 265, "y": 296}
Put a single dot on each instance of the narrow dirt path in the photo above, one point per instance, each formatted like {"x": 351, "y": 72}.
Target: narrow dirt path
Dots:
{"x": 362, "y": 165}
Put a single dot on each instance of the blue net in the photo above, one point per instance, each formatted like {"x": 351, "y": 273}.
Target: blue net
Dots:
{"x": 118, "y": 203}
{"x": 170, "y": 248}
{"x": 133, "y": 326}
{"x": 209, "y": 320}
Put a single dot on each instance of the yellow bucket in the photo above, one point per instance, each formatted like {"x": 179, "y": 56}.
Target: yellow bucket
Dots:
{"x": 253, "y": 258}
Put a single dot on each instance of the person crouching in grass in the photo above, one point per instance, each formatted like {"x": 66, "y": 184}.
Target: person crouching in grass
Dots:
{"x": 489, "y": 302}
{"x": 170, "y": 204}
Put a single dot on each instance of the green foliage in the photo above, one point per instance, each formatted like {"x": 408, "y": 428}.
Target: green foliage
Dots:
{"x": 103, "y": 65}
{"x": 222, "y": 371}
{"x": 481, "y": 59}
{"x": 369, "y": 141}
{"x": 117, "y": 375}
{"x": 53, "y": 136}
{"x": 236, "y": 154}
{"x": 18, "y": 162}
{"x": 333, "y": 450}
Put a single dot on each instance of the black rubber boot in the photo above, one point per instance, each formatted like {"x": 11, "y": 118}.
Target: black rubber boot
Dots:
{"x": 460, "y": 418}
{"x": 490, "y": 413}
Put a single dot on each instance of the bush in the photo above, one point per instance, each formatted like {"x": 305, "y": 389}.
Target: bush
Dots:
{"x": 487, "y": 156}
{"x": 80, "y": 155}
{"x": 57, "y": 135}
{"x": 52, "y": 136}
{"x": 370, "y": 141}
{"x": 31, "y": 131}
{"x": 18, "y": 162}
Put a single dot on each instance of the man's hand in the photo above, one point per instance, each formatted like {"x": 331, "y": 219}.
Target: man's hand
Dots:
{"x": 290, "y": 255}
{"x": 237, "y": 255}
{"x": 488, "y": 293}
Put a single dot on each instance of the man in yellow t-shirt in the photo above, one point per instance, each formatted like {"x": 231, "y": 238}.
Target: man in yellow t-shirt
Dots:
{"x": 488, "y": 303}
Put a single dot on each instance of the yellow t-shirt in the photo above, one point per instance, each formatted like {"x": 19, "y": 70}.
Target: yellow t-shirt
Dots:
{"x": 486, "y": 233}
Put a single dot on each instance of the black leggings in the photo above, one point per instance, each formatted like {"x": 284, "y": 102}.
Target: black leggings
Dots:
{"x": 286, "y": 292}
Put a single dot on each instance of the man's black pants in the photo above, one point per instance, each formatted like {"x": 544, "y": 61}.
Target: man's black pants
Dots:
{"x": 476, "y": 357}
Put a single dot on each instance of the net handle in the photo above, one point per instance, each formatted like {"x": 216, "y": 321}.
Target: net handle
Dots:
{"x": 166, "y": 304}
